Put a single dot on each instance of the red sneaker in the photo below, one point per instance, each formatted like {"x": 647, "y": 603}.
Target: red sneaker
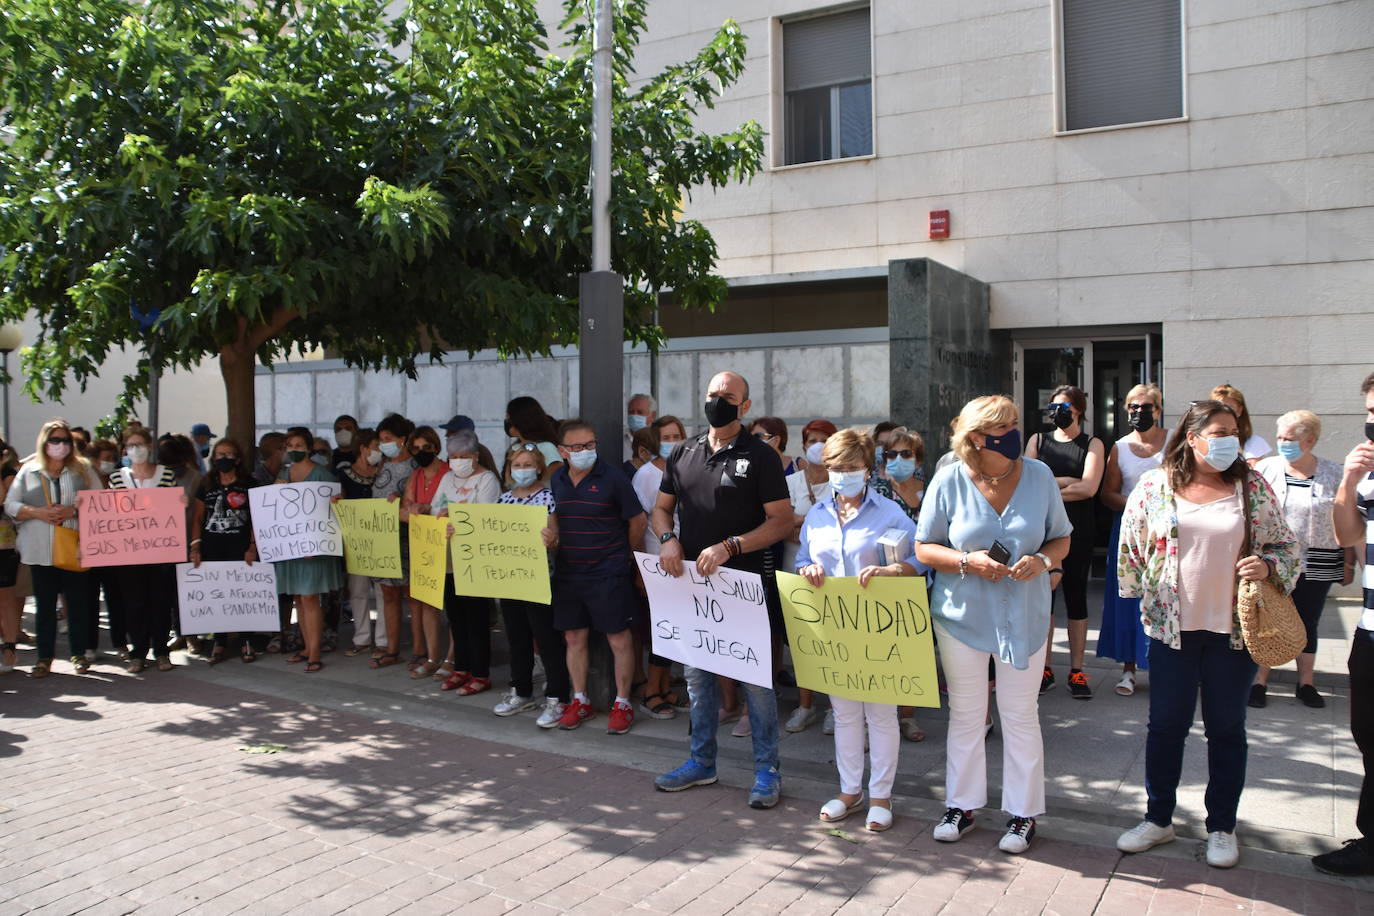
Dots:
{"x": 622, "y": 717}
{"x": 575, "y": 714}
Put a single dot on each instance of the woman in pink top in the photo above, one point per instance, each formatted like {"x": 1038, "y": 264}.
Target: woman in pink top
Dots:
{"x": 1183, "y": 545}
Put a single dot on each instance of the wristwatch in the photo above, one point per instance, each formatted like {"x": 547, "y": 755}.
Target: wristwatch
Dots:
{"x": 665, "y": 537}
{"x": 1046, "y": 560}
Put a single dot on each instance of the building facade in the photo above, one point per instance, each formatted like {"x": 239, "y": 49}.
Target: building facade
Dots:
{"x": 1176, "y": 190}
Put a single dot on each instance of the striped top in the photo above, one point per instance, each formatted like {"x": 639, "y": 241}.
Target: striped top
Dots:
{"x": 593, "y": 537}
{"x": 1319, "y": 564}
{"x": 1364, "y": 499}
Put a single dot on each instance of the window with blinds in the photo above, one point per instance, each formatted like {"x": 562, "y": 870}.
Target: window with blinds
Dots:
{"x": 827, "y": 87}
{"x": 1123, "y": 61}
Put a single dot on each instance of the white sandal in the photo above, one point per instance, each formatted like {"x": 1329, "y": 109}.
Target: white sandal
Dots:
{"x": 1126, "y": 686}
{"x": 836, "y": 810}
{"x": 879, "y": 819}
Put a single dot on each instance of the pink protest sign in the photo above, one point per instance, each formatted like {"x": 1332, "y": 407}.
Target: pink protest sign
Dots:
{"x": 132, "y": 527}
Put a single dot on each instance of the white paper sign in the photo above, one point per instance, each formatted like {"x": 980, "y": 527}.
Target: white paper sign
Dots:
{"x": 718, "y": 622}
{"x": 293, "y": 520}
{"x": 228, "y": 597}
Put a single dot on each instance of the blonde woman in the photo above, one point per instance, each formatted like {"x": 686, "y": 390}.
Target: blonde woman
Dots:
{"x": 1142, "y": 449}
{"x": 41, "y": 499}
{"x": 840, "y": 538}
{"x": 992, "y": 527}
{"x": 1306, "y": 488}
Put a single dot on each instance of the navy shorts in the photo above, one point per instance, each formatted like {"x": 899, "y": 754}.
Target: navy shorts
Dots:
{"x": 607, "y": 604}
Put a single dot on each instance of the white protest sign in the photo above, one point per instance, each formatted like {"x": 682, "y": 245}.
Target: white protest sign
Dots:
{"x": 228, "y": 597}
{"x": 718, "y": 622}
{"x": 293, "y": 520}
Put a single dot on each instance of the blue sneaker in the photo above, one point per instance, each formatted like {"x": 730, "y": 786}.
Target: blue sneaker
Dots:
{"x": 767, "y": 788}
{"x": 686, "y": 776}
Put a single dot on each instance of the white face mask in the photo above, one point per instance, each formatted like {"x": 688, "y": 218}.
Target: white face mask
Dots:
{"x": 461, "y": 466}
{"x": 107, "y": 468}
{"x": 138, "y": 454}
{"x": 815, "y": 451}
{"x": 344, "y": 437}
{"x": 374, "y": 457}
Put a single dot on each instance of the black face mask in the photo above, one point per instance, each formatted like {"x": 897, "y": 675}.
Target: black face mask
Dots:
{"x": 225, "y": 465}
{"x": 424, "y": 459}
{"x": 1369, "y": 431}
{"x": 720, "y": 412}
{"x": 296, "y": 456}
{"x": 1142, "y": 419}
{"x": 1061, "y": 415}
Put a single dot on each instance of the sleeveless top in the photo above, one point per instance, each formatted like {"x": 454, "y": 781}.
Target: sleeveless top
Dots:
{"x": 1068, "y": 459}
{"x": 1134, "y": 467}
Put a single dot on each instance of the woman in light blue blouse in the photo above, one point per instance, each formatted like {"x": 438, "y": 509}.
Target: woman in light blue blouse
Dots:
{"x": 986, "y": 603}
{"x": 840, "y": 538}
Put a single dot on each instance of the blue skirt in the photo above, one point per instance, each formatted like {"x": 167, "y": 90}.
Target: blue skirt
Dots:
{"x": 1121, "y": 637}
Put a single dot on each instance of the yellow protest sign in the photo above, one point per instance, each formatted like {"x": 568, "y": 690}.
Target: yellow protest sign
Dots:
{"x": 428, "y": 559}
{"x": 872, "y": 644}
{"x": 498, "y": 551}
{"x": 372, "y": 536}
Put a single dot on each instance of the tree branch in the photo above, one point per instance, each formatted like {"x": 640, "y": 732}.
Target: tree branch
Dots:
{"x": 274, "y": 326}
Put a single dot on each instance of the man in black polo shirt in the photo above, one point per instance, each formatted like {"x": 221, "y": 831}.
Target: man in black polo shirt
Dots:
{"x": 732, "y": 504}
{"x": 599, "y": 517}
{"x": 1353, "y": 515}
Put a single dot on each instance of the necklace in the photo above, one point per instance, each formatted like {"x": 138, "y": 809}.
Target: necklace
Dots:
{"x": 1000, "y": 477}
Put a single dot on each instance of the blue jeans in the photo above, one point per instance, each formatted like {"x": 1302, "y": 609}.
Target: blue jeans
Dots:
{"x": 1207, "y": 661}
{"x": 763, "y": 718}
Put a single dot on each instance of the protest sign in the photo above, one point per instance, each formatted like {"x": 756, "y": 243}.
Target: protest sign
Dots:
{"x": 293, "y": 520}
{"x": 371, "y": 530}
{"x": 872, "y": 644}
{"x": 228, "y": 597}
{"x": 130, "y": 527}
{"x": 718, "y": 622}
{"x": 499, "y": 552}
{"x": 428, "y": 558}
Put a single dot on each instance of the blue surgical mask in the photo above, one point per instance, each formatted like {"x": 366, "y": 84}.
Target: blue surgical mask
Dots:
{"x": 814, "y": 452}
{"x": 523, "y": 477}
{"x": 582, "y": 460}
{"x": 1290, "y": 450}
{"x": 1222, "y": 451}
{"x": 636, "y": 421}
{"x": 391, "y": 449}
{"x": 848, "y": 483}
{"x": 901, "y": 468}
{"x": 665, "y": 449}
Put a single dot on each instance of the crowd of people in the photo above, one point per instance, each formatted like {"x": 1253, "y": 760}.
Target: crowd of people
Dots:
{"x": 1000, "y": 527}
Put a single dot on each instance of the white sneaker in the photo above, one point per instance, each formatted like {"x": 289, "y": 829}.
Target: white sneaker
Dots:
{"x": 553, "y": 711}
{"x": 512, "y": 703}
{"x": 1222, "y": 851}
{"x": 828, "y": 726}
{"x": 1145, "y": 835}
{"x": 1017, "y": 839}
{"x": 801, "y": 717}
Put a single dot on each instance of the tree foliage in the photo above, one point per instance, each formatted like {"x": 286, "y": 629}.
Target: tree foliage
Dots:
{"x": 269, "y": 176}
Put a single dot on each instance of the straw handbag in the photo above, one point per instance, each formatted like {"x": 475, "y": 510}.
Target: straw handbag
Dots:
{"x": 1273, "y": 631}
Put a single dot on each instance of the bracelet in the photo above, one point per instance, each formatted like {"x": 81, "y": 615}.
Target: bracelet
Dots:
{"x": 963, "y": 564}
{"x": 1057, "y": 569}
{"x": 739, "y": 546}
{"x": 196, "y": 541}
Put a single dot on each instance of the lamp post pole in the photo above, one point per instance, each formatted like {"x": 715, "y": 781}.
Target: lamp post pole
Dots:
{"x": 5, "y": 364}
{"x": 601, "y": 312}
{"x": 10, "y": 339}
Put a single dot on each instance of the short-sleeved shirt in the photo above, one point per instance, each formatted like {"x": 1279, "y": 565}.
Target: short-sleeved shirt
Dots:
{"x": 391, "y": 478}
{"x": 722, "y": 495}
{"x": 540, "y": 497}
{"x": 593, "y": 537}
{"x": 1006, "y": 618}
{"x": 228, "y": 528}
{"x": 353, "y": 484}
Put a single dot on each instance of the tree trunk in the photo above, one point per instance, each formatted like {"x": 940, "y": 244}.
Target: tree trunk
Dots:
{"x": 238, "y": 366}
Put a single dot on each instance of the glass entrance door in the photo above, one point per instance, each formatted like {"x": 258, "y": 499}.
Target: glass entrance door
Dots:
{"x": 1041, "y": 368}
{"x": 1104, "y": 367}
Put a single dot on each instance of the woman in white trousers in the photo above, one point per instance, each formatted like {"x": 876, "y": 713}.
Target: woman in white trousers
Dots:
{"x": 840, "y": 538}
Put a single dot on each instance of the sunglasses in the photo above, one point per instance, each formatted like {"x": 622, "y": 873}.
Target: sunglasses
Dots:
{"x": 764, "y": 436}
{"x": 899, "y": 453}
{"x": 524, "y": 447}
{"x": 60, "y": 440}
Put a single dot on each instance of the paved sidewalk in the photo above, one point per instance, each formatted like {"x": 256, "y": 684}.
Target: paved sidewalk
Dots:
{"x": 122, "y": 793}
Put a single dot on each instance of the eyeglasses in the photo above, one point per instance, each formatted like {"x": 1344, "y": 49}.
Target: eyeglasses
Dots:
{"x": 581, "y": 446}
{"x": 524, "y": 447}
{"x": 60, "y": 440}
{"x": 1137, "y": 408}
{"x": 765, "y": 436}
{"x": 899, "y": 453}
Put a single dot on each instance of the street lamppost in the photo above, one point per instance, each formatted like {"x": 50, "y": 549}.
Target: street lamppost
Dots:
{"x": 10, "y": 339}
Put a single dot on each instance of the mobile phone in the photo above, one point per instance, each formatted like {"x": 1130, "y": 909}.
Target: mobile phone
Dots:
{"x": 999, "y": 553}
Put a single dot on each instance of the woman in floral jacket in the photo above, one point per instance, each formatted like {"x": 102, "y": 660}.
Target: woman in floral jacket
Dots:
{"x": 1182, "y": 549}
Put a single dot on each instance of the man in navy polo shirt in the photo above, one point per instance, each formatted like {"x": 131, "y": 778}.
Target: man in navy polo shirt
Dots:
{"x": 599, "y": 517}
{"x": 732, "y": 503}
